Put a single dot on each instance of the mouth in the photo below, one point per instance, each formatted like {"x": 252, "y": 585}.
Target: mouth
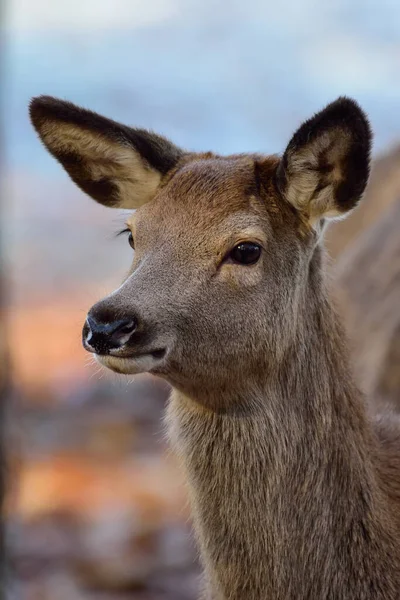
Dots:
{"x": 133, "y": 363}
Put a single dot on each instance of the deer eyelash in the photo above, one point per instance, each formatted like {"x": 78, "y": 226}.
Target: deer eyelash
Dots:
{"x": 124, "y": 231}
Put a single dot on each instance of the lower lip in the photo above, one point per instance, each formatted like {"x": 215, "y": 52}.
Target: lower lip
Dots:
{"x": 130, "y": 365}
{"x": 156, "y": 354}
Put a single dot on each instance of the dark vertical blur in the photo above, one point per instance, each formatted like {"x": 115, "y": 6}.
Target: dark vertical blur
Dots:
{"x": 3, "y": 349}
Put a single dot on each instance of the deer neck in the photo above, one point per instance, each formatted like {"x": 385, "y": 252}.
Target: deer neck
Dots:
{"x": 285, "y": 495}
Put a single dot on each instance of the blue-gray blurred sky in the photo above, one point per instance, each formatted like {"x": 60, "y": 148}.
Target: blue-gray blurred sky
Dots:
{"x": 227, "y": 75}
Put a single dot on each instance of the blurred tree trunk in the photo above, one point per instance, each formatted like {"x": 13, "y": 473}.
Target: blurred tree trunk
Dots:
{"x": 3, "y": 399}
{"x": 4, "y": 364}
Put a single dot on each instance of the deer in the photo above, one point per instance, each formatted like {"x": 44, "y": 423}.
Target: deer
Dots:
{"x": 294, "y": 488}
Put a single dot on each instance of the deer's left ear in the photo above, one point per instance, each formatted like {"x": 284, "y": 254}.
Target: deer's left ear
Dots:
{"x": 324, "y": 170}
{"x": 116, "y": 165}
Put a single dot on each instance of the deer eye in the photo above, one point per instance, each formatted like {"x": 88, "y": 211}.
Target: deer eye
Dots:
{"x": 246, "y": 253}
{"x": 130, "y": 236}
{"x": 131, "y": 240}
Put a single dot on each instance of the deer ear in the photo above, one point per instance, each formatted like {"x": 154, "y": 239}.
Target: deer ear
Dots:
{"x": 116, "y": 165}
{"x": 324, "y": 170}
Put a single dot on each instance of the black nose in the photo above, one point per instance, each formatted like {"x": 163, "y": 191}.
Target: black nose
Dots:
{"x": 101, "y": 337}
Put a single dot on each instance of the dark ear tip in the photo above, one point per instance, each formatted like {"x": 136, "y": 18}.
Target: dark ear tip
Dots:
{"x": 343, "y": 113}
{"x": 41, "y": 107}
{"x": 45, "y": 107}
{"x": 348, "y": 111}
{"x": 351, "y": 105}
{"x": 347, "y": 103}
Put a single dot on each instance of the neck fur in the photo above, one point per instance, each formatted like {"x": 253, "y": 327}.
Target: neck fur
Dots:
{"x": 285, "y": 495}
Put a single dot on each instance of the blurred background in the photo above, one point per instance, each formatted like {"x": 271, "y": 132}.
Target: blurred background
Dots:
{"x": 96, "y": 508}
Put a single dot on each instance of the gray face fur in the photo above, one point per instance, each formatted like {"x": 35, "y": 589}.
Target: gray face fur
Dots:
{"x": 195, "y": 316}
{"x": 191, "y": 299}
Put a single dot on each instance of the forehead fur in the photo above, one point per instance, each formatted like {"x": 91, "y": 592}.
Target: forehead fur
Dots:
{"x": 213, "y": 196}
{"x": 219, "y": 184}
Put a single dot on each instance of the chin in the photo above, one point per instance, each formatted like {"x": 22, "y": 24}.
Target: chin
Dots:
{"x": 145, "y": 363}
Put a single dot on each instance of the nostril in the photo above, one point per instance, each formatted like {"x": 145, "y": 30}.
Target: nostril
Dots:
{"x": 88, "y": 329}
{"x": 122, "y": 331}
{"x": 103, "y": 336}
{"x": 126, "y": 328}
{"x": 87, "y": 333}
{"x": 90, "y": 324}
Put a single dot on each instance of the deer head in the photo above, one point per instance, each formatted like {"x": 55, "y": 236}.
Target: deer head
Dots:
{"x": 224, "y": 247}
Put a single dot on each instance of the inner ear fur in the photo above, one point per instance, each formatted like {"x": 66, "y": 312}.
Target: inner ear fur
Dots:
{"x": 325, "y": 168}
{"x": 116, "y": 165}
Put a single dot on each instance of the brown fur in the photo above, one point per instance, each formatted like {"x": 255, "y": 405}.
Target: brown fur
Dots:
{"x": 295, "y": 494}
{"x": 368, "y": 286}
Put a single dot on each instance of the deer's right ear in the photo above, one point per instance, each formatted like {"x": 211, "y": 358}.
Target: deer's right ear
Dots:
{"x": 325, "y": 168}
{"x": 116, "y": 165}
